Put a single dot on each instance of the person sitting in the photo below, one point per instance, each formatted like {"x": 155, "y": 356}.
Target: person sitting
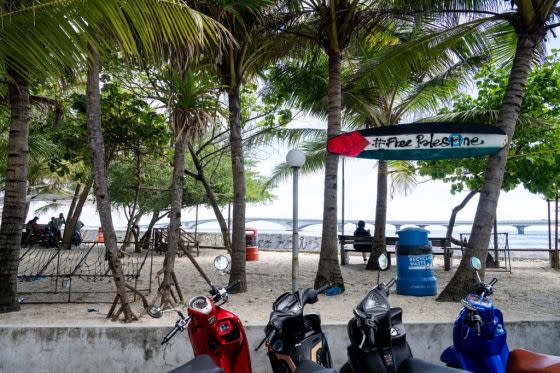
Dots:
{"x": 51, "y": 226}
{"x": 58, "y": 223}
{"x": 364, "y": 247}
{"x": 33, "y": 227}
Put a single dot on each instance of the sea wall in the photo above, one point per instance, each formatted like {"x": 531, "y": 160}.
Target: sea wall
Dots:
{"x": 136, "y": 348}
{"x": 277, "y": 241}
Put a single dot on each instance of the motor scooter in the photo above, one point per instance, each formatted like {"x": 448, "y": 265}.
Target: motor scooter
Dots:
{"x": 378, "y": 337}
{"x": 480, "y": 339}
{"x": 214, "y": 332}
{"x": 294, "y": 340}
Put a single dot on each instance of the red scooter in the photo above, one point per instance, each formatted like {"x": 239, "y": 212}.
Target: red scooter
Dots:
{"x": 213, "y": 331}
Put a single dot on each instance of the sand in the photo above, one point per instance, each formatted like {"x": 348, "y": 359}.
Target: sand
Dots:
{"x": 530, "y": 292}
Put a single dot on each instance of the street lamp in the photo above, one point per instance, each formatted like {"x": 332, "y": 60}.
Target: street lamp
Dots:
{"x": 295, "y": 159}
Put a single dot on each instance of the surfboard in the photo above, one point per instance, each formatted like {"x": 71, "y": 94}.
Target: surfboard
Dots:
{"x": 420, "y": 141}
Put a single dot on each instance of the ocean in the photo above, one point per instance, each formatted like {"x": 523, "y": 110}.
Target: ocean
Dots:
{"x": 534, "y": 237}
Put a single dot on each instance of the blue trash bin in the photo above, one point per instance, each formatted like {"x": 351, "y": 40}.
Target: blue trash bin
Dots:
{"x": 414, "y": 263}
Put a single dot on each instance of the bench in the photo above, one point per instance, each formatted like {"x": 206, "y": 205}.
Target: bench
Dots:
{"x": 437, "y": 243}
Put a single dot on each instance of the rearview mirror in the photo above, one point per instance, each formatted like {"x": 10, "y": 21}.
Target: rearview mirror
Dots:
{"x": 154, "y": 311}
{"x": 475, "y": 263}
{"x": 221, "y": 262}
{"x": 383, "y": 262}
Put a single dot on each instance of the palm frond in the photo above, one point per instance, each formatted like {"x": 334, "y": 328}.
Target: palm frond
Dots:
{"x": 290, "y": 137}
{"x": 49, "y": 37}
{"x": 315, "y": 154}
{"x": 487, "y": 117}
{"x": 403, "y": 177}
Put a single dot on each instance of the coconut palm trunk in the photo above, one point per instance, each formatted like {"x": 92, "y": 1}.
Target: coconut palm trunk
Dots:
{"x": 174, "y": 232}
{"x": 379, "y": 242}
{"x": 15, "y": 191}
{"x": 464, "y": 279}
{"x": 329, "y": 269}
{"x": 238, "y": 272}
{"x": 97, "y": 149}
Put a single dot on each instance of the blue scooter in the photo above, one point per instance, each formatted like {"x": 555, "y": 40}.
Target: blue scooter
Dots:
{"x": 479, "y": 338}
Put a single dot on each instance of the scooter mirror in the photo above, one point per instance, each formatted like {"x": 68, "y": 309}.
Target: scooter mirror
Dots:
{"x": 383, "y": 262}
{"x": 475, "y": 263}
{"x": 154, "y": 311}
{"x": 221, "y": 262}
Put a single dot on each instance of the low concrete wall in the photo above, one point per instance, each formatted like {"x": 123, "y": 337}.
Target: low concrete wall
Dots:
{"x": 137, "y": 348}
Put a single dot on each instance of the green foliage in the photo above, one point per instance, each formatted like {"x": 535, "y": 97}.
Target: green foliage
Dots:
{"x": 216, "y": 162}
{"x": 534, "y": 159}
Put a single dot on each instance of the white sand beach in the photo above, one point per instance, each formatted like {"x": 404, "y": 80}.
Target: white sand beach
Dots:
{"x": 530, "y": 292}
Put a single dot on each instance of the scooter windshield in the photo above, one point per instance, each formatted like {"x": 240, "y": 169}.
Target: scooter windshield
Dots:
{"x": 375, "y": 302}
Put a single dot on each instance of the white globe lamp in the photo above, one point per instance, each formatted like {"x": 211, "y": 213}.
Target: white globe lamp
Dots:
{"x": 295, "y": 158}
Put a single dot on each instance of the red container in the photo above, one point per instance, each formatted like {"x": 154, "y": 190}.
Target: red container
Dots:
{"x": 251, "y": 249}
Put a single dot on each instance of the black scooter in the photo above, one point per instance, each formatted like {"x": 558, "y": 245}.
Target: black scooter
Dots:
{"x": 295, "y": 341}
{"x": 378, "y": 337}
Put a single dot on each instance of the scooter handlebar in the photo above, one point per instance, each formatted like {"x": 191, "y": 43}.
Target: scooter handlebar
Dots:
{"x": 323, "y": 289}
{"x": 169, "y": 335}
{"x": 234, "y": 284}
{"x": 179, "y": 327}
{"x": 266, "y": 338}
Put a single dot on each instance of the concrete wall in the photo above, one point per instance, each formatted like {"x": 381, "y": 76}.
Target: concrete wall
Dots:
{"x": 135, "y": 348}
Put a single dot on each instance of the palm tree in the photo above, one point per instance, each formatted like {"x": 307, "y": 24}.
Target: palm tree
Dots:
{"x": 370, "y": 103}
{"x": 527, "y": 23}
{"x": 39, "y": 40}
{"x": 192, "y": 98}
{"x": 253, "y": 50}
{"x": 332, "y": 25}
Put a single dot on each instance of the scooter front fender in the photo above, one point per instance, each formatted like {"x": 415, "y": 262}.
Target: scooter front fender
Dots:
{"x": 450, "y": 358}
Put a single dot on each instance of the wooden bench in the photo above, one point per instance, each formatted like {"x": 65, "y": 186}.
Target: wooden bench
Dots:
{"x": 187, "y": 238}
{"x": 437, "y": 243}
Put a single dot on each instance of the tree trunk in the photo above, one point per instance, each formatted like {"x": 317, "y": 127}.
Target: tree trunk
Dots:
{"x": 454, "y": 212}
{"x": 379, "y": 241}
{"x": 15, "y": 191}
{"x": 329, "y": 268}
{"x": 71, "y": 221}
{"x": 145, "y": 240}
{"x": 97, "y": 149}
{"x": 73, "y": 203}
{"x": 464, "y": 279}
{"x": 133, "y": 219}
{"x": 211, "y": 199}
{"x": 238, "y": 171}
{"x": 174, "y": 232}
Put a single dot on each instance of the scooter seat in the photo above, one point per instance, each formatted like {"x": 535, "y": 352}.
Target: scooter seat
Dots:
{"x": 523, "y": 361}
{"x": 200, "y": 364}
{"x": 307, "y": 366}
{"x": 413, "y": 365}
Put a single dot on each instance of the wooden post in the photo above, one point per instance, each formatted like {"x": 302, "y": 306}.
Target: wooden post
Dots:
{"x": 196, "y": 223}
{"x": 556, "y": 264}
{"x": 549, "y": 227}
{"x": 342, "y": 252}
{"x": 496, "y": 253}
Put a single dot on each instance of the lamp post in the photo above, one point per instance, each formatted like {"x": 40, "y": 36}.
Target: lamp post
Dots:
{"x": 295, "y": 159}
